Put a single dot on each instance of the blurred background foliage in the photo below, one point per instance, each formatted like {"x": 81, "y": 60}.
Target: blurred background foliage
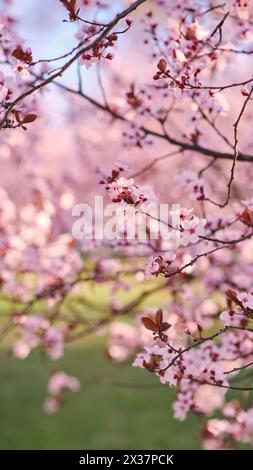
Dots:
{"x": 118, "y": 407}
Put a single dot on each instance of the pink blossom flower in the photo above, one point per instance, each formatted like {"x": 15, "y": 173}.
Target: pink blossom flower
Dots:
{"x": 21, "y": 349}
{"x": 124, "y": 340}
{"x": 246, "y": 299}
{"x": 193, "y": 185}
{"x": 152, "y": 267}
{"x": 192, "y": 229}
{"x": 123, "y": 189}
{"x": 159, "y": 264}
{"x": 51, "y": 405}
{"x": 60, "y": 381}
{"x": 207, "y": 398}
{"x": 53, "y": 342}
{"x": 230, "y": 317}
{"x": 217, "y": 426}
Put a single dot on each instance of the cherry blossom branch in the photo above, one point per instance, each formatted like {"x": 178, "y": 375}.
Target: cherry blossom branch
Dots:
{"x": 195, "y": 148}
{"x": 154, "y": 162}
{"x": 238, "y": 369}
{"x": 73, "y": 59}
{"x": 195, "y": 345}
{"x": 228, "y": 387}
{"x": 235, "y": 125}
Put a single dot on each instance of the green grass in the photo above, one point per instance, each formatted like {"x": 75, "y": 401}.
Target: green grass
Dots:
{"x": 118, "y": 407}
{"x": 104, "y": 415}
{"x": 114, "y": 409}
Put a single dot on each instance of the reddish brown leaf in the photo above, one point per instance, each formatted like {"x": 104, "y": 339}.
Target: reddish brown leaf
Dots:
{"x": 29, "y": 118}
{"x": 232, "y": 297}
{"x": 200, "y": 328}
{"x": 231, "y": 294}
{"x": 159, "y": 316}
{"x": 165, "y": 326}
{"x": 23, "y": 56}
{"x": 246, "y": 217}
{"x": 70, "y": 6}
{"x": 149, "y": 324}
{"x": 16, "y": 114}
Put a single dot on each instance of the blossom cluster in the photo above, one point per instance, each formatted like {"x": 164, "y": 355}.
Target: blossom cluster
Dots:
{"x": 176, "y": 105}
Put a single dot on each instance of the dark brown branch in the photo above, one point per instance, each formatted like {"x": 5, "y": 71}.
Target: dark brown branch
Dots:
{"x": 182, "y": 145}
